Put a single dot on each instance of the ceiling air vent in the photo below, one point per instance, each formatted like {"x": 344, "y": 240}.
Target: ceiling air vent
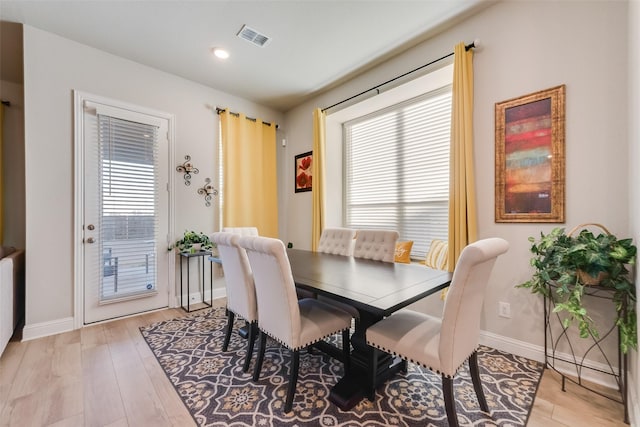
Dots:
{"x": 253, "y": 36}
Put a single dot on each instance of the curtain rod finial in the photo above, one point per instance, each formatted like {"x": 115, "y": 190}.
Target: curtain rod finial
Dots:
{"x": 473, "y": 45}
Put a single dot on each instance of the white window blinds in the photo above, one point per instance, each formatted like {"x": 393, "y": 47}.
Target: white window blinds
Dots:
{"x": 128, "y": 162}
{"x": 397, "y": 169}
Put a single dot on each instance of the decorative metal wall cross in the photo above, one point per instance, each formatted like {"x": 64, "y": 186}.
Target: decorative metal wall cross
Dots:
{"x": 187, "y": 168}
{"x": 207, "y": 191}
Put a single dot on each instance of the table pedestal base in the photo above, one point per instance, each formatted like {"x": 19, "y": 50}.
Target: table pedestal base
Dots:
{"x": 346, "y": 393}
{"x": 355, "y": 386}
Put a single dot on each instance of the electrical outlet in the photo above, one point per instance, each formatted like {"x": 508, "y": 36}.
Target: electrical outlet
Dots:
{"x": 504, "y": 309}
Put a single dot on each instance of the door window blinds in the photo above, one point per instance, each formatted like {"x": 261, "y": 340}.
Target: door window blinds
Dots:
{"x": 397, "y": 169}
{"x": 128, "y": 184}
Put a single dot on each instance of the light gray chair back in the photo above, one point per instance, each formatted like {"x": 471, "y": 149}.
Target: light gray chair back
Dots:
{"x": 241, "y": 231}
{"x": 460, "y": 329}
{"x": 295, "y": 324}
{"x": 379, "y": 245}
{"x": 444, "y": 344}
{"x": 337, "y": 241}
{"x": 275, "y": 289}
{"x": 241, "y": 292}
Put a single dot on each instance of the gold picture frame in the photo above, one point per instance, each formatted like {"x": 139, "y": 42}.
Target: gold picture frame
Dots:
{"x": 530, "y": 157}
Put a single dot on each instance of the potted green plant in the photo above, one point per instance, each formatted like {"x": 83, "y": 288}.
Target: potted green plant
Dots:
{"x": 193, "y": 242}
{"x": 565, "y": 264}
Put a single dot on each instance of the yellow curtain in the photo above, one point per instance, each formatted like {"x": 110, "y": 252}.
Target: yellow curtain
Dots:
{"x": 1, "y": 172}
{"x": 317, "y": 189}
{"x": 462, "y": 197}
{"x": 250, "y": 174}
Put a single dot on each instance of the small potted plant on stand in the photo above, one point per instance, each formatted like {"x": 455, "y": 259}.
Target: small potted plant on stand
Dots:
{"x": 566, "y": 264}
{"x": 192, "y": 242}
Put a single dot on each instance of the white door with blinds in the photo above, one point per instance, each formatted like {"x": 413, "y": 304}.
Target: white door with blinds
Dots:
{"x": 126, "y": 212}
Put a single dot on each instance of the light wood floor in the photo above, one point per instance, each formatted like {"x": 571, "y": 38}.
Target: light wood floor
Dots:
{"x": 105, "y": 375}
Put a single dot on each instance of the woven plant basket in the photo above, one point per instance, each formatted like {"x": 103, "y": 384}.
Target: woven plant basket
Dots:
{"x": 584, "y": 277}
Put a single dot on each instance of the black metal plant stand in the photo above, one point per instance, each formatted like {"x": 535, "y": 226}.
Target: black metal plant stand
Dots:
{"x": 551, "y": 344}
{"x": 185, "y": 258}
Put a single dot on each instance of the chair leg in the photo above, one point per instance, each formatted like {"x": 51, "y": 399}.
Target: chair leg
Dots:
{"x": 230, "y": 317}
{"x": 293, "y": 380}
{"x": 346, "y": 350}
{"x": 261, "y": 347}
{"x": 253, "y": 331}
{"x": 449, "y": 401}
{"x": 477, "y": 384}
{"x": 374, "y": 373}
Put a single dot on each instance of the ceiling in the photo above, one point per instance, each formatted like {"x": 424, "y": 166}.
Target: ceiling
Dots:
{"x": 314, "y": 44}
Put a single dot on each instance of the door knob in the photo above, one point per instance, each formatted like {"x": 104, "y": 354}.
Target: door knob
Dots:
{"x": 90, "y": 240}
{"x": 91, "y": 227}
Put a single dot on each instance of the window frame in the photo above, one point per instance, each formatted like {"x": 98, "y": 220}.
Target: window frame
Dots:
{"x": 398, "y": 114}
{"x": 431, "y": 78}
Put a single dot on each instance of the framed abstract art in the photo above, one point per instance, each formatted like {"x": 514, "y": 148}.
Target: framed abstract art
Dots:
{"x": 530, "y": 157}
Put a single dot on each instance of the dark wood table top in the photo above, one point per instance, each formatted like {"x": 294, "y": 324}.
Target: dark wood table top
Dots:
{"x": 379, "y": 288}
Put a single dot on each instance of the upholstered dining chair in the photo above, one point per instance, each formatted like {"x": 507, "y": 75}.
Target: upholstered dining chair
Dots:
{"x": 241, "y": 291}
{"x": 294, "y": 323}
{"x": 253, "y": 231}
{"x": 242, "y": 231}
{"x": 379, "y": 245}
{"x": 443, "y": 345}
{"x": 337, "y": 241}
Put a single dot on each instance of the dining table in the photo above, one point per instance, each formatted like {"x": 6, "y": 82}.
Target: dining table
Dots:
{"x": 376, "y": 290}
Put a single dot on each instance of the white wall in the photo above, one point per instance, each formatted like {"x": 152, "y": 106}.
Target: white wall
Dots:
{"x": 525, "y": 47}
{"x": 634, "y": 177}
{"x": 54, "y": 67}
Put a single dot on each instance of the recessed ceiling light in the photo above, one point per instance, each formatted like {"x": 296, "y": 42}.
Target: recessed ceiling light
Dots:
{"x": 220, "y": 53}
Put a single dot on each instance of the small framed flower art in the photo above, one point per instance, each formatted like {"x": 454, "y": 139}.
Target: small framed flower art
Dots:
{"x": 303, "y": 172}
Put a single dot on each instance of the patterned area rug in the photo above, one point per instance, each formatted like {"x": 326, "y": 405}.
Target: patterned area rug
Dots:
{"x": 217, "y": 393}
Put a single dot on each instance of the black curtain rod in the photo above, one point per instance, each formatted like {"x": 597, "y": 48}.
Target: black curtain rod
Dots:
{"x": 473, "y": 44}
{"x": 222, "y": 110}
{"x": 7, "y": 103}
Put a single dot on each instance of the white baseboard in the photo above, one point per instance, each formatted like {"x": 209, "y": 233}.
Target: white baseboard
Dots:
{"x": 58, "y": 326}
{"x": 510, "y": 345}
{"x": 536, "y": 352}
{"x": 52, "y": 327}
{"x": 196, "y": 297}
{"x": 634, "y": 402}
{"x": 219, "y": 291}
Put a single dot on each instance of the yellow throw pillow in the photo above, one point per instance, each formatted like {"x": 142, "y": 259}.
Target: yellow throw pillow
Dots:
{"x": 403, "y": 251}
{"x": 437, "y": 255}
{"x": 437, "y": 258}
